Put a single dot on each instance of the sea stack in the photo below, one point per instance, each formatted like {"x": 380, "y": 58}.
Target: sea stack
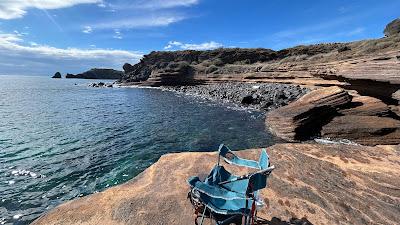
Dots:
{"x": 56, "y": 75}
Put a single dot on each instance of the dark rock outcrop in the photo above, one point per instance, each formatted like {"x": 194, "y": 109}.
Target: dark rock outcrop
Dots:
{"x": 256, "y": 96}
{"x": 304, "y": 118}
{"x": 98, "y": 74}
{"x": 327, "y": 184}
{"x": 393, "y": 28}
{"x": 56, "y": 75}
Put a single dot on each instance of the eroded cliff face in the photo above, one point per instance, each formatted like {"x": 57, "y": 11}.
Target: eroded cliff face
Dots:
{"x": 322, "y": 64}
{"x": 333, "y": 112}
{"x": 327, "y": 184}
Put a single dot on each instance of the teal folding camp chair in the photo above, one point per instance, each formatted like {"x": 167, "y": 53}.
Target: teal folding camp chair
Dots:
{"x": 226, "y": 198}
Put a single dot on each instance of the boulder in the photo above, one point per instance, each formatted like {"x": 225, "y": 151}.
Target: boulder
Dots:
{"x": 366, "y": 130}
{"x": 393, "y": 28}
{"x": 327, "y": 184}
{"x": 56, "y": 75}
{"x": 304, "y": 118}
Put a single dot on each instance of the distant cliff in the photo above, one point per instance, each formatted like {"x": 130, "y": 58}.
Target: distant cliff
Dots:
{"x": 320, "y": 64}
{"x": 98, "y": 74}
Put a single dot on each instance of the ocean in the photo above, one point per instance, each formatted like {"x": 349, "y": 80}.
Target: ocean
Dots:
{"x": 60, "y": 139}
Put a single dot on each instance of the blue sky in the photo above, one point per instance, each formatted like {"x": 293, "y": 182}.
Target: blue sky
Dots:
{"x": 41, "y": 37}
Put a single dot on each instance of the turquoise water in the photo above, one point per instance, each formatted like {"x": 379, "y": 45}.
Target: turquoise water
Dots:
{"x": 60, "y": 139}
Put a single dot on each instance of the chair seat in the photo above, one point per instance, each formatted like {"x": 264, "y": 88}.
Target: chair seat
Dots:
{"x": 221, "y": 200}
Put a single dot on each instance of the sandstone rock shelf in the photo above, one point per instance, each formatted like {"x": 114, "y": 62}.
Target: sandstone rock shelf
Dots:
{"x": 351, "y": 65}
{"x": 333, "y": 112}
{"x": 327, "y": 184}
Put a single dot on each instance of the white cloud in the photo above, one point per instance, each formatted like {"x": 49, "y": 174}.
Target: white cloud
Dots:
{"x": 154, "y": 4}
{"x": 87, "y": 29}
{"x": 117, "y": 34}
{"x": 356, "y": 31}
{"x": 139, "y": 22}
{"x": 201, "y": 46}
{"x": 35, "y": 58}
{"x": 12, "y": 9}
{"x": 102, "y": 5}
{"x": 312, "y": 28}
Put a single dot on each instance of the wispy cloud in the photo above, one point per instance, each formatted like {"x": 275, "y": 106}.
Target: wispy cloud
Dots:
{"x": 154, "y": 4}
{"x": 117, "y": 34}
{"x": 314, "y": 38}
{"x": 87, "y": 29}
{"x": 202, "y": 46}
{"x": 12, "y": 9}
{"x": 140, "y": 22}
{"x": 36, "y": 58}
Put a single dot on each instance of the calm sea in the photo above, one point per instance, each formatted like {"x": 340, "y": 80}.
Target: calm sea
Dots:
{"x": 60, "y": 139}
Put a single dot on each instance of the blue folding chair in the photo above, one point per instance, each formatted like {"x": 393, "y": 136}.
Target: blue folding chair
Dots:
{"x": 226, "y": 198}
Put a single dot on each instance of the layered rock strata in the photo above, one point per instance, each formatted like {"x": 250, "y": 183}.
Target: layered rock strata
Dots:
{"x": 304, "y": 118}
{"x": 333, "y": 113}
{"x": 326, "y": 184}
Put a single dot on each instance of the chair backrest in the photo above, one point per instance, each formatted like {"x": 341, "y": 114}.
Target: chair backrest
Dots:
{"x": 232, "y": 158}
{"x": 257, "y": 180}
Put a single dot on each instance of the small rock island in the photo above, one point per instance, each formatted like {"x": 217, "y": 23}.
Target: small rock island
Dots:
{"x": 56, "y": 75}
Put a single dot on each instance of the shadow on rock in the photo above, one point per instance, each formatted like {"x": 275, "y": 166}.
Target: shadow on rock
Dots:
{"x": 278, "y": 221}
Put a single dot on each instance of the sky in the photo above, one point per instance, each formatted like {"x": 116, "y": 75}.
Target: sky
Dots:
{"x": 40, "y": 37}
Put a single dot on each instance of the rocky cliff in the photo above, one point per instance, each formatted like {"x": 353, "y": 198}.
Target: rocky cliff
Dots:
{"x": 333, "y": 112}
{"x": 365, "y": 71}
{"x": 96, "y": 73}
{"x": 321, "y": 64}
{"x": 323, "y": 184}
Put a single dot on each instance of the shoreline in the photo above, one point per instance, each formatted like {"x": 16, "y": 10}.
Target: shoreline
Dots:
{"x": 262, "y": 97}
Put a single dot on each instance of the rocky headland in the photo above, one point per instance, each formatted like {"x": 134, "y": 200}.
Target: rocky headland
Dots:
{"x": 354, "y": 86}
{"x": 95, "y": 73}
{"x": 312, "y": 184}
{"x": 335, "y": 91}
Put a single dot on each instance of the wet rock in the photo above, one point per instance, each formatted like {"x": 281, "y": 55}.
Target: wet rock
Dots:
{"x": 101, "y": 84}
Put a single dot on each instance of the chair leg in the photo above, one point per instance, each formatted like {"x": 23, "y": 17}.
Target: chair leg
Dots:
{"x": 202, "y": 216}
{"x": 230, "y": 220}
